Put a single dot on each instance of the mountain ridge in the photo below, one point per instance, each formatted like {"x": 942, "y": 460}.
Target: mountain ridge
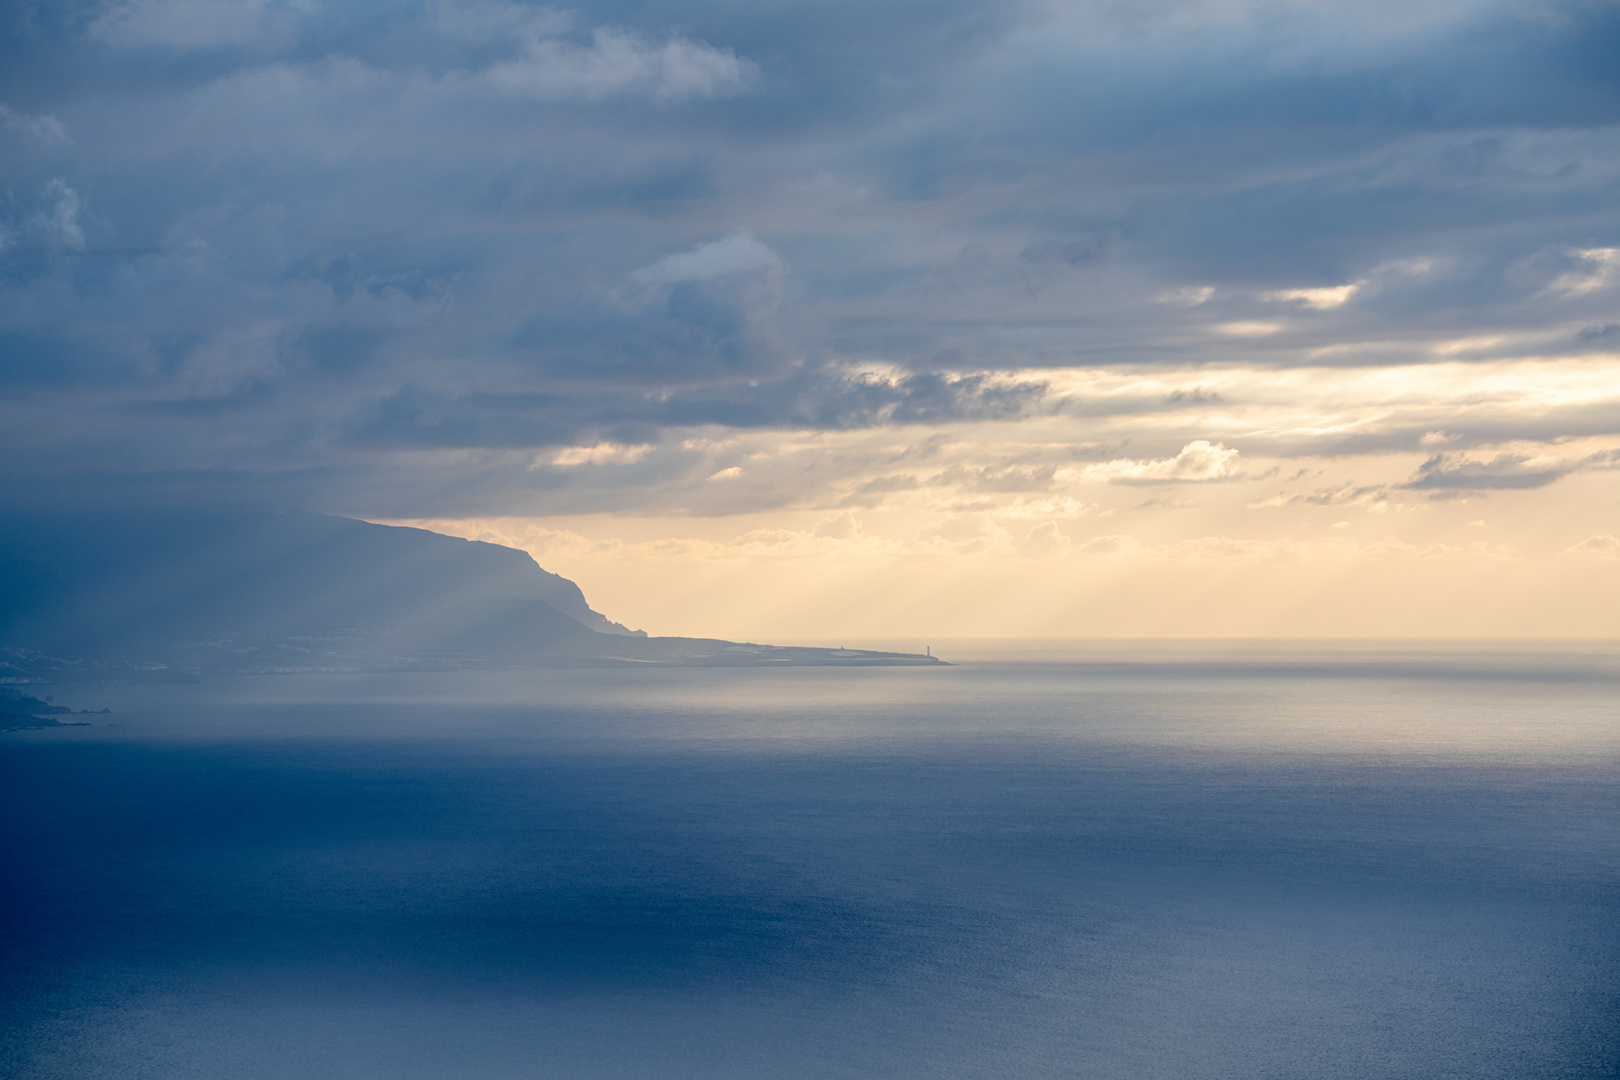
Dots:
{"x": 166, "y": 594}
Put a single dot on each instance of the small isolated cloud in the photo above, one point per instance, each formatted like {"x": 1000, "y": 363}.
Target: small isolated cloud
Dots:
{"x": 1199, "y": 461}
{"x": 1191, "y": 296}
{"x": 1248, "y": 328}
{"x": 600, "y": 454}
{"x": 1196, "y": 396}
{"x": 1602, "y": 544}
{"x": 618, "y": 64}
{"x": 1600, "y": 267}
{"x": 727, "y": 474}
{"x": 46, "y": 128}
{"x": 1320, "y": 299}
{"x": 738, "y": 252}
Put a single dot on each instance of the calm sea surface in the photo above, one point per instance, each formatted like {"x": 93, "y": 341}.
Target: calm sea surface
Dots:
{"x": 1049, "y": 861}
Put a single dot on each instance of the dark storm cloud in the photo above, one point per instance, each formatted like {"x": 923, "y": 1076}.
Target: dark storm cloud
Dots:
{"x": 271, "y": 247}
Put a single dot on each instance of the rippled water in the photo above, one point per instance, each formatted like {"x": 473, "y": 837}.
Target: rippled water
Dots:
{"x": 1127, "y": 862}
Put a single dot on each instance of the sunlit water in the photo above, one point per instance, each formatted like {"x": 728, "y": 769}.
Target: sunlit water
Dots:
{"x": 1124, "y": 862}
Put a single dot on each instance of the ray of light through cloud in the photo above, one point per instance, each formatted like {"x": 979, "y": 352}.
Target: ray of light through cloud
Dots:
{"x": 1187, "y": 317}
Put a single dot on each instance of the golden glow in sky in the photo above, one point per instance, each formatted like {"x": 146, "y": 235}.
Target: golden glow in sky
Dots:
{"x": 1193, "y": 317}
{"x": 1231, "y": 501}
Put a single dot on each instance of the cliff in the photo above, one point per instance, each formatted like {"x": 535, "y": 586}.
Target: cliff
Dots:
{"x": 170, "y": 594}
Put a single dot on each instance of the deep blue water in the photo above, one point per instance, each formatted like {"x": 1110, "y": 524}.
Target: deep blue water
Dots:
{"x": 1295, "y": 864}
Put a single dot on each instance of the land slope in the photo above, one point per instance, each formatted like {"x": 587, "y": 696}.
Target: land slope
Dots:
{"x": 165, "y": 595}
{"x": 21, "y": 712}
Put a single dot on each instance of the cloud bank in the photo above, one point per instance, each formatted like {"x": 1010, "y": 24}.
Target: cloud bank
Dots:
{"x": 471, "y": 258}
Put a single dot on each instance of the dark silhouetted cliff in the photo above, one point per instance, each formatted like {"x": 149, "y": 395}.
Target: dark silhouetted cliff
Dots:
{"x": 164, "y": 595}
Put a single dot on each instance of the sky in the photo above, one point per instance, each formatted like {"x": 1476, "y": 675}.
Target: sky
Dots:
{"x": 804, "y": 319}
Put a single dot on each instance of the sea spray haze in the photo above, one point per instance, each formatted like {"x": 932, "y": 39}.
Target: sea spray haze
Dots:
{"x": 1126, "y": 862}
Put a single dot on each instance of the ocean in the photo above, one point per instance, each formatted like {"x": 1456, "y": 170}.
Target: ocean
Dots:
{"x": 1246, "y": 860}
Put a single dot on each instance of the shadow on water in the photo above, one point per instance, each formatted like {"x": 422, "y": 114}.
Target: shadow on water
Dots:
{"x": 1034, "y": 870}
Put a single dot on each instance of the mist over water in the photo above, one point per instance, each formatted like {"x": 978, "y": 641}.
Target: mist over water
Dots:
{"x": 1122, "y": 861}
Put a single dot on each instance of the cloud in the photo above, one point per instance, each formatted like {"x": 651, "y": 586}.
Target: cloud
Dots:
{"x": 548, "y": 66}
{"x": 1112, "y": 545}
{"x": 1060, "y": 507}
{"x": 1600, "y": 267}
{"x": 58, "y": 221}
{"x": 47, "y": 129}
{"x": 1200, "y": 461}
{"x": 841, "y": 526}
{"x": 1073, "y": 251}
{"x": 404, "y": 252}
{"x": 1046, "y": 539}
{"x": 699, "y": 316}
{"x": 1602, "y": 544}
{"x": 738, "y": 252}
{"x": 1504, "y": 472}
{"x": 1445, "y": 476}
{"x": 1445, "y": 473}
{"x": 1188, "y": 295}
{"x": 963, "y": 534}
{"x": 1374, "y": 497}
{"x": 181, "y": 24}
{"x": 1197, "y": 395}
{"x": 419, "y": 417}
{"x": 997, "y": 478}
{"x": 1323, "y": 299}
{"x": 1335, "y": 548}
{"x": 620, "y": 64}
{"x": 873, "y": 492}
{"x": 601, "y": 454}
{"x": 485, "y": 21}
